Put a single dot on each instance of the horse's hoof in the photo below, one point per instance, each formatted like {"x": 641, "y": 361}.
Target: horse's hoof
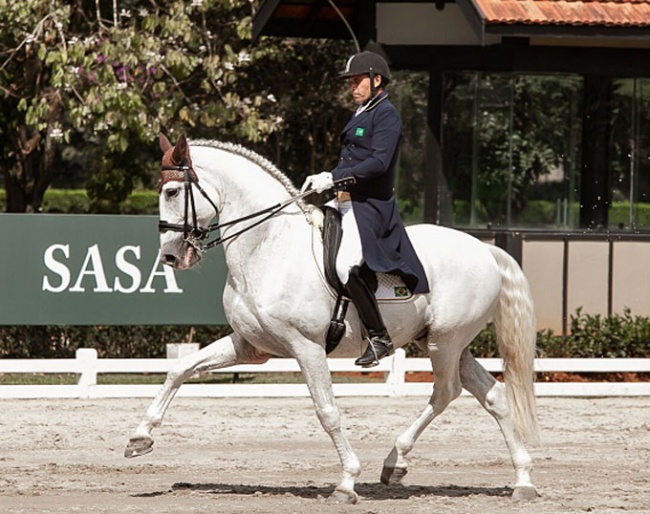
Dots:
{"x": 524, "y": 493}
{"x": 138, "y": 446}
{"x": 392, "y": 476}
{"x": 343, "y": 497}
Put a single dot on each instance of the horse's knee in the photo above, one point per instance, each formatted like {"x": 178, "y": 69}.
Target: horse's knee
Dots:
{"x": 329, "y": 418}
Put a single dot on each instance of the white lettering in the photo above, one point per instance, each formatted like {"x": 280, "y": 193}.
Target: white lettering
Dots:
{"x": 92, "y": 257}
{"x": 170, "y": 279}
{"x": 129, "y": 269}
{"x": 57, "y": 267}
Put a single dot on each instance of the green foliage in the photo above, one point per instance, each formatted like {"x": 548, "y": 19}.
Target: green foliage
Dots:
{"x": 590, "y": 336}
{"x": 21, "y": 342}
{"x": 108, "y": 80}
{"x": 306, "y": 98}
{"x": 140, "y": 202}
{"x": 600, "y": 336}
{"x": 76, "y": 201}
{"x": 619, "y": 215}
{"x": 66, "y": 201}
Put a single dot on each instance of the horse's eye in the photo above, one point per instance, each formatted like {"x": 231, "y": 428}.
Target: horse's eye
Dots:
{"x": 171, "y": 193}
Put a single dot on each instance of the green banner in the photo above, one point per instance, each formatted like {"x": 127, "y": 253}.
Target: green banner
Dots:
{"x": 100, "y": 270}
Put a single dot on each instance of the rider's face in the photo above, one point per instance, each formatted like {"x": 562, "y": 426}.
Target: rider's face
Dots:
{"x": 360, "y": 88}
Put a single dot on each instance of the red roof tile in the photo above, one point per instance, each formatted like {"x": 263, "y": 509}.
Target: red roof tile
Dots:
{"x": 621, "y": 13}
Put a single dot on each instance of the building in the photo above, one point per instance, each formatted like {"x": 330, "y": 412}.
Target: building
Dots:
{"x": 535, "y": 128}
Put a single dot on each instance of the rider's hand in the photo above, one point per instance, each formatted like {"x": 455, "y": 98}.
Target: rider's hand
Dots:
{"x": 319, "y": 183}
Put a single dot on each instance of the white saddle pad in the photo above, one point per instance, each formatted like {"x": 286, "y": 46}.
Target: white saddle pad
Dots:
{"x": 391, "y": 288}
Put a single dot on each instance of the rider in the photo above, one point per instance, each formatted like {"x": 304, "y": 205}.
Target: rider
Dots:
{"x": 373, "y": 237}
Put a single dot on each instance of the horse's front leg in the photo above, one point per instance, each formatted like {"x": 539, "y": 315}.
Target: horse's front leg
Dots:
{"x": 313, "y": 363}
{"x": 227, "y": 351}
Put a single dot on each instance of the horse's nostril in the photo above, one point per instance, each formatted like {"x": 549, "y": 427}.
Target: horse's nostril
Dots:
{"x": 168, "y": 258}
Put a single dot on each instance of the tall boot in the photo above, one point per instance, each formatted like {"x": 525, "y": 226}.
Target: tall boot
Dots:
{"x": 363, "y": 297}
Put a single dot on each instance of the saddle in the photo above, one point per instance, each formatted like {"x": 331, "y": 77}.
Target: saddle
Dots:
{"x": 332, "y": 234}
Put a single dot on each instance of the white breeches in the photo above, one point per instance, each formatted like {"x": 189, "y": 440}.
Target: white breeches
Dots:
{"x": 350, "y": 253}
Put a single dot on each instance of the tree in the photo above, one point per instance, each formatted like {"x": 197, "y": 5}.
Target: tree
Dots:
{"x": 311, "y": 103}
{"x": 107, "y": 76}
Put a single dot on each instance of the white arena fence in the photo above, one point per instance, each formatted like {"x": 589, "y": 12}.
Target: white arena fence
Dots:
{"x": 86, "y": 366}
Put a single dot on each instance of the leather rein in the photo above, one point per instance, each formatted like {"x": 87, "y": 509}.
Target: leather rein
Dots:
{"x": 195, "y": 235}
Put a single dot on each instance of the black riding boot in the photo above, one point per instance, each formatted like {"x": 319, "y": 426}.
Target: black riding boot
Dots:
{"x": 363, "y": 297}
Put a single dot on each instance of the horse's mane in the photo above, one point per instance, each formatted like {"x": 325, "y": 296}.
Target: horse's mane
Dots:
{"x": 263, "y": 163}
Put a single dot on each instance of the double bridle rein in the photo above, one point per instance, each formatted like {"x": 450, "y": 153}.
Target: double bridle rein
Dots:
{"x": 195, "y": 235}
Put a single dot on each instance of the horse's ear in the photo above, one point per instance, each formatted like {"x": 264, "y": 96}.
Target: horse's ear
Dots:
{"x": 181, "y": 150}
{"x": 164, "y": 142}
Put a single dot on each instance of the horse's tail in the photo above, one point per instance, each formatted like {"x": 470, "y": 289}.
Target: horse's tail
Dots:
{"x": 514, "y": 321}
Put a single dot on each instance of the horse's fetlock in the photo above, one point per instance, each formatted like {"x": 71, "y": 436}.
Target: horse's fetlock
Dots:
{"x": 403, "y": 444}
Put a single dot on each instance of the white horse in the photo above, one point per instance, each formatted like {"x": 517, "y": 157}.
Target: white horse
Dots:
{"x": 278, "y": 304}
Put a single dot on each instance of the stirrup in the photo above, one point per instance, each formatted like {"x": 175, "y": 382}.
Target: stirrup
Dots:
{"x": 377, "y": 350}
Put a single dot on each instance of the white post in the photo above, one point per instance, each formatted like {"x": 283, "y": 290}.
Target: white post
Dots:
{"x": 397, "y": 375}
{"x": 87, "y": 358}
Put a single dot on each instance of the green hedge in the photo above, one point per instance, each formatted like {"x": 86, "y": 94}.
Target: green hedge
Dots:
{"x": 22, "y": 342}
{"x": 76, "y": 201}
{"x": 590, "y": 336}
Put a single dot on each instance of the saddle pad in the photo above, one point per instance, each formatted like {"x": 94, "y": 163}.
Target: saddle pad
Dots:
{"x": 391, "y": 288}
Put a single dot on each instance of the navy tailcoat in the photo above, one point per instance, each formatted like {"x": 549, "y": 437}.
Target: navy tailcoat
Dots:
{"x": 370, "y": 143}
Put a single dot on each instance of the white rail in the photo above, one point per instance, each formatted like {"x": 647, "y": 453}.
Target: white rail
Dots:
{"x": 86, "y": 366}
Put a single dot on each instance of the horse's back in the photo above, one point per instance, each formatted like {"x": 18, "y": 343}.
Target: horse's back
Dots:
{"x": 463, "y": 274}
{"x": 442, "y": 246}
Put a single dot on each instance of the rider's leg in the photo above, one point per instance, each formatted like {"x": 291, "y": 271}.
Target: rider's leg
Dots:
{"x": 348, "y": 262}
{"x": 350, "y": 253}
{"x": 363, "y": 297}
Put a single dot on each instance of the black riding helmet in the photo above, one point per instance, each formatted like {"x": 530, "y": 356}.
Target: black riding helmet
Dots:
{"x": 367, "y": 63}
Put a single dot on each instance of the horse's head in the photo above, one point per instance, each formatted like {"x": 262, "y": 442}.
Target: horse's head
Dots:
{"x": 184, "y": 215}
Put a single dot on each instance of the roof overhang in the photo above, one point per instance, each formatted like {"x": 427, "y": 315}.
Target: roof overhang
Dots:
{"x": 306, "y": 18}
{"x": 624, "y": 19}
{"x": 603, "y": 19}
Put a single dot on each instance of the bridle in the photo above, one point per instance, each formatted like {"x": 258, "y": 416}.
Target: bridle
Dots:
{"x": 195, "y": 235}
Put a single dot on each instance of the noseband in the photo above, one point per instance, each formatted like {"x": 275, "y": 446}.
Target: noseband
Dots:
{"x": 195, "y": 235}
{"x": 192, "y": 234}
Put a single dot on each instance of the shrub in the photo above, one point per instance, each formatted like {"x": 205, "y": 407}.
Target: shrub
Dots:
{"x": 76, "y": 201}
{"x": 590, "y": 336}
{"x": 146, "y": 341}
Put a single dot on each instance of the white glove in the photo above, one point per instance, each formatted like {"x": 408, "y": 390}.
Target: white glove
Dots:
{"x": 318, "y": 183}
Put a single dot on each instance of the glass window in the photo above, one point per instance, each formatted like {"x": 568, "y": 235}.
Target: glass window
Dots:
{"x": 630, "y": 155}
{"x": 511, "y": 150}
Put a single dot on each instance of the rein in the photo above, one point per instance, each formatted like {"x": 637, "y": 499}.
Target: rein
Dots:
{"x": 194, "y": 235}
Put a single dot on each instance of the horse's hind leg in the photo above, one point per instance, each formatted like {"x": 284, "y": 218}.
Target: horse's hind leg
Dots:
{"x": 227, "y": 351}
{"x": 492, "y": 395}
{"x": 447, "y": 387}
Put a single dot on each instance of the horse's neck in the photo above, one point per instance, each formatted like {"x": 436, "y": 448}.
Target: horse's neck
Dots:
{"x": 249, "y": 190}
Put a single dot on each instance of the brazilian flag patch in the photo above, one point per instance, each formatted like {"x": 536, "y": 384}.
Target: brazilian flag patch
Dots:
{"x": 400, "y": 291}
{"x": 359, "y": 132}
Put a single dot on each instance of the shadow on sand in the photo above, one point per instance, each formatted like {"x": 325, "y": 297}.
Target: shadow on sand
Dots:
{"x": 374, "y": 491}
